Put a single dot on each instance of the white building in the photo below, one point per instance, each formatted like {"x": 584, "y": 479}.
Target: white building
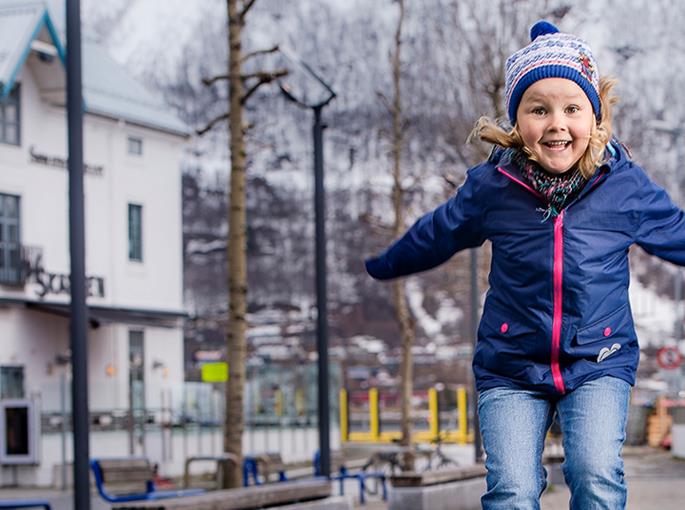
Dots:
{"x": 132, "y": 152}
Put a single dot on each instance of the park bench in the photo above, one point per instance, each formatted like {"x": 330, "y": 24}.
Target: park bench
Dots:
{"x": 25, "y": 503}
{"x": 457, "y": 488}
{"x": 222, "y": 461}
{"x": 130, "y": 479}
{"x": 341, "y": 471}
{"x": 312, "y": 493}
{"x": 260, "y": 467}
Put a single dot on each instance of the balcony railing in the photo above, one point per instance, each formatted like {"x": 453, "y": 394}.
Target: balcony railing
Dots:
{"x": 17, "y": 262}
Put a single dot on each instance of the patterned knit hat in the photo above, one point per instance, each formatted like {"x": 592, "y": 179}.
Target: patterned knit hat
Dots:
{"x": 551, "y": 54}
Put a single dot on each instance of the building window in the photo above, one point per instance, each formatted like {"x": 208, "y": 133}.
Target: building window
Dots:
{"x": 9, "y": 118}
{"x": 135, "y": 145}
{"x": 11, "y": 382}
{"x": 10, "y": 242}
{"x": 135, "y": 232}
{"x": 136, "y": 383}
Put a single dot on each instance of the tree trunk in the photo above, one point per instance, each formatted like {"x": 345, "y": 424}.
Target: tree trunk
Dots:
{"x": 237, "y": 260}
{"x": 399, "y": 291}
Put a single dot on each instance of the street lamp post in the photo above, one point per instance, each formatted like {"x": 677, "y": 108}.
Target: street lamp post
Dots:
{"x": 323, "y": 411}
{"x": 78, "y": 312}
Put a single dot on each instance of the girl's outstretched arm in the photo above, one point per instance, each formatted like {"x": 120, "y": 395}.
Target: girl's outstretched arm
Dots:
{"x": 661, "y": 230}
{"x": 435, "y": 237}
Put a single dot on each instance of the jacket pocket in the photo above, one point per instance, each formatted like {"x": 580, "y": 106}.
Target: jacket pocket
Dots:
{"x": 611, "y": 338}
{"x": 503, "y": 334}
{"x": 501, "y": 323}
{"x": 617, "y": 324}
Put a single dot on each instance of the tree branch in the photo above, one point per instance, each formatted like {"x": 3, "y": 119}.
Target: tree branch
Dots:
{"x": 261, "y": 75}
{"x": 210, "y": 81}
{"x": 385, "y": 101}
{"x": 263, "y": 78}
{"x": 246, "y": 8}
{"x": 259, "y": 52}
{"x": 212, "y": 123}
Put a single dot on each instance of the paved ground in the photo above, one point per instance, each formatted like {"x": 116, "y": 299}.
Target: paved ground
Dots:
{"x": 656, "y": 481}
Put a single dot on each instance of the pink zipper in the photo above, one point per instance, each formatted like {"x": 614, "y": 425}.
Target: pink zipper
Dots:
{"x": 557, "y": 307}
{"x": 558, "y": 272}
{"x": 519, "y": 181}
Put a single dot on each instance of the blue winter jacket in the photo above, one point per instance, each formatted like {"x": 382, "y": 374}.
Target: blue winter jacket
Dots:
{"x": 557, "y": 312}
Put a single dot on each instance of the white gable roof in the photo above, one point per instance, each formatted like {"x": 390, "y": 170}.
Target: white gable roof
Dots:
{"x": 107, "y": 88}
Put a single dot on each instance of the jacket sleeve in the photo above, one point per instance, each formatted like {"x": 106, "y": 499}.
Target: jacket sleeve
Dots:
{"x": 661, "y": 229}
{"x": 435, "y": 237}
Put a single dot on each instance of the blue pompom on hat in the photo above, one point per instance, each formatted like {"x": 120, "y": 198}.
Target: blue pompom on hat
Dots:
{"x": 551, "y": 54}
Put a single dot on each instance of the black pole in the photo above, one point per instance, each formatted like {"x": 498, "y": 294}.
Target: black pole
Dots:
{"x": 78, "y": 320}
{"x": 321, "y": 305}
{"x": 475, "y": 317}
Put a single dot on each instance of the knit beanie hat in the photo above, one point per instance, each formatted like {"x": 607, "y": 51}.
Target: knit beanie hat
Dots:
{"x": 551, "y": 54}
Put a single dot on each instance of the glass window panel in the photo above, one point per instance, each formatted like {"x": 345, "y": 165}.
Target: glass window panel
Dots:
{"x": 16, "y": 430}
{"x": 136, "y": 357}
{"x": 10, "y": 118}
{"x": 11, "y": 134}
{"x": 11, "y": 382}
{"x": 10, "y": 248}
{"x": 14, "y": 257}
{"x": 10, "y": 113}
{"x": 135, "y": 242}
{"x": 135, "y": 145}
{"x": 11, "y": 208}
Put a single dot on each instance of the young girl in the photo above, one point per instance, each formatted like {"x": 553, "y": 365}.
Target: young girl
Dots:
{"x": 562, "y": 203}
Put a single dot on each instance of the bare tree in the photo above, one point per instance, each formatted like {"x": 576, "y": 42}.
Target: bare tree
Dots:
{"x": 399, "y": 289}
{"x": 241, "y": 86}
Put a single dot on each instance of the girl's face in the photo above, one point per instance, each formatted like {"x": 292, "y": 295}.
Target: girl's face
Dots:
{"x": 555, "y": 120}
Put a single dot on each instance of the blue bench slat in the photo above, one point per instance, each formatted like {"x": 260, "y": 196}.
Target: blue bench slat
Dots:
{"x": 150, "y": 492}
{"x": 25, "y": 503}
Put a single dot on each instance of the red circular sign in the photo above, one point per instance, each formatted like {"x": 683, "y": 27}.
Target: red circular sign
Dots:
{"x": 669, "y": 357}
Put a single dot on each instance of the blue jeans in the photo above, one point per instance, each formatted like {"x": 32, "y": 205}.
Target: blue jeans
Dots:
{"x": 514, "y": 424}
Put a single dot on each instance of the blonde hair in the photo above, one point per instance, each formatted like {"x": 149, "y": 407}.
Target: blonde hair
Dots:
{"x": 600, "y": 134}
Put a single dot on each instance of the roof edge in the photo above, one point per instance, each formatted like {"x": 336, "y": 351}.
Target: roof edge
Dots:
{"x": 44, "y": 22}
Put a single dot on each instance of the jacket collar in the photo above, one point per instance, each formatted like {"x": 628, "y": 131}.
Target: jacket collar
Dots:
{"x": 617, "y": 154}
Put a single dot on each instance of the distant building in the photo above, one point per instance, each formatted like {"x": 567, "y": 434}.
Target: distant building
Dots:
{"x": 132, "y": 152}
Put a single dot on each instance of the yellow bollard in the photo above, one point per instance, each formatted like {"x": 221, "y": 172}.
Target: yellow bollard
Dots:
{"x": 299, "y": 402}
{"x": 426, "y": 436}
{"x": 434, "y": 413}
{"x": 374, "y": 415}
{"x": 374, "y": 433}
{"x": 463, "y": 432}
{"x": 344, "y": 417}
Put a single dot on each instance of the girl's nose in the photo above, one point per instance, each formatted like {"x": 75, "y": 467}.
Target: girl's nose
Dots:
{"x": 556, "y": 121}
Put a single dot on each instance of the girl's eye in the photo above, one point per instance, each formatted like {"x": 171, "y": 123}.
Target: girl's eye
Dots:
{"x": 538, "y": 110}
{"x": 572, "y": 109}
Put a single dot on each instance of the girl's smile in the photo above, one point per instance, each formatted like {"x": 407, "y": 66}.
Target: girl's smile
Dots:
{"x": 555, "y": 119}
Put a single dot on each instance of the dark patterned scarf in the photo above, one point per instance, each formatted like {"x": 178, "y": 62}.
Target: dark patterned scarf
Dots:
{"x": 557, "y": 189}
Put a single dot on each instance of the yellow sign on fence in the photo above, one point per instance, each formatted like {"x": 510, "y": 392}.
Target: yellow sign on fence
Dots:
{"x": 215, "y": 372}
